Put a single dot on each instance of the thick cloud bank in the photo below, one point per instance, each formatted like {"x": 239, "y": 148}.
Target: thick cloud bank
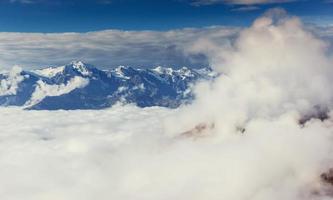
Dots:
{"x": 125, "y": 153}
{"x": 109, "y": 48}
{"x": 273, "y": 68}
{"x": 249, "y": 135}
{"x": 276, "y": 76}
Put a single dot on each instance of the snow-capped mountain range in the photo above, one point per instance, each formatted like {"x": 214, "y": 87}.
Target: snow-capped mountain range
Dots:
{"x": 83, "y": 86}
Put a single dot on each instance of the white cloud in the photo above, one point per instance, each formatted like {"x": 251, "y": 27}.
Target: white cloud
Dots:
{"x": 106, "y": 48}
{"x": 112, "y": 48}
{"x": 275, "y": 66}
{"x": 9, "y": 85}
{"x": 125, "y": 153}
{"x": 275, "y": 74}
{"x": 246, "y": 8}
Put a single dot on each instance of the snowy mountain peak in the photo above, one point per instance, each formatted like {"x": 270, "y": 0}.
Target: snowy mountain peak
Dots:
{"x": 81, "y": 67}
{"x": 163, "y": 70}
{"x": 123, "y": 71}
{"x": 77, "y": 63}
{"x": 83, "y": 86}
{"x": 185, "y": 71}
{"x": 74, "y": 68}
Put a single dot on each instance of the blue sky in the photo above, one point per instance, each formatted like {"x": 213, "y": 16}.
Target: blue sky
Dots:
{"x": 92, "y": 15}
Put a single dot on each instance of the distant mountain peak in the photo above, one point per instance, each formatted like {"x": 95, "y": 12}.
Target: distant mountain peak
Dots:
{"x": 78, "y": 63}
{"x": 81, "y": 67}
{"x": 163, "y": 70}
{"x": 82, "y": 86}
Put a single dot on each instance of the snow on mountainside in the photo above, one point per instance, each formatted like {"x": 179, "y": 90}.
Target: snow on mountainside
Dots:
{"x": 50, "y": 71}
{"x": 43, "y": 89}
{"x": 83, "y": 86}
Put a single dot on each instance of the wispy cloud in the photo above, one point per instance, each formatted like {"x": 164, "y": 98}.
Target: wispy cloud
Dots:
{"x": 57, "y": 2}
{"x": 238, "y": 2}
{"x": 246, "y": 8}
{"x": 26, "y": 1}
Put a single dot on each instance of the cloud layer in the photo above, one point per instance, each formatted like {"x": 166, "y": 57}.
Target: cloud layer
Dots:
{"x": 112, "y": 48}
{"x": 107, "y": 48}
{"x": 128, "y": 153}
{"x": 276, "y": 76}
{"x": 276, "y": 66}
